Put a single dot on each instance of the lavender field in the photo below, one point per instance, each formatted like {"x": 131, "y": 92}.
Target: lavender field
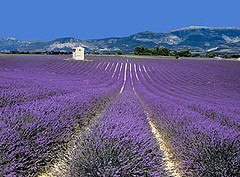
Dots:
{"x": 116, "y": 116}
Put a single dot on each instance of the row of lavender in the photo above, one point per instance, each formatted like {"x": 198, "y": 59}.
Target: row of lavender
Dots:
{"x": 195, "y": 105}
{"x": 43, "y": 101}
{"x": 119, "y": 143}
{"x": 192, "y": 103}
{"x": 185, "y": 101}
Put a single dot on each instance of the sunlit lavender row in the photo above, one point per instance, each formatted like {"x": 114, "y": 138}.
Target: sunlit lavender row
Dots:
{"x": 42, "y": 106}
{"x": 195, "y": 105}
{"x": 115, "y": 116}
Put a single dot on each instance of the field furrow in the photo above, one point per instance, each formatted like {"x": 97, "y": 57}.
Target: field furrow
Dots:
{"x": 116, "y": 116}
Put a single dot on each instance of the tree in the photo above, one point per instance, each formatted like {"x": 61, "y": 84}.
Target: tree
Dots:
{"x": 174, "y": 53}
{"x": 211, "y": 55}
{"x": 226, "y": 56}
{"x": 235, "y": 56}
{"x": 93, "y": 52}
{"x": 140, "y": 50}
{"x": 164, "y": 51}
{"x": 119, "y": 52}
{"x": 155, "y": 50}
{"x": 177, "y": 56}
{"x": 184, "y": 53}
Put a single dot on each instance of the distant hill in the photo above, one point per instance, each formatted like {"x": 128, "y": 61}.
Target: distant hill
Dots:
{"x": 196, "y": 38}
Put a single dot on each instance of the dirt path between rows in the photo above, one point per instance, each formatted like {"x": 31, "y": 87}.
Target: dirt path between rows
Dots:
{"x": 170, "y": 165}
{"x": 61, "y": 165}
{"x": 58, "y": 168}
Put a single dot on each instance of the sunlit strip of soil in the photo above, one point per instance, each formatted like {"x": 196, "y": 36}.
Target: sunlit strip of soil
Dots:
{"x": 58, "y": 167}
{"x": 170, "y": 165}
{"x": 145, "y": 71}
{"x": 107, "y": 66}
{"x": 120, "y": 71}
{"x": 98, "y": 65}
{"x": 125, "y": 78}
{"x": 111, "y": 67}
{"x": 54, "y": 168}
{"x": 135, "y": 68}
{"x": 114, "y": 71}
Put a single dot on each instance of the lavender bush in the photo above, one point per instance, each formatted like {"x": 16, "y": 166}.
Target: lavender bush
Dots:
{"x": 93, "y": 116}
{"x": 39, "y": 117}
{"x": 120, "y": 143}
{"x": 203, "y": 134}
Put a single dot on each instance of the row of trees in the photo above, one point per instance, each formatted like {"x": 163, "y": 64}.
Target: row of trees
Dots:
{"x": 163, "y": 51}
{"x": 213, "y": 55}
{"x": 140, "y": 50}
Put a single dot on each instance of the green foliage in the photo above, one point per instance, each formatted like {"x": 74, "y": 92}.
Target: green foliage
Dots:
{"x": 119, "y": 52}
{"x": 196, "y": 55}
{"x": 217, "y": 158}
{"x": 162, "y": 51}
{"x": 226, "y": 56}
{"x": 140, "y": 50}
{"x": 182, "y": 53}
{"x": 211, "y": 55}
{"x": 174, "y": 53}
{"x": 185, "y": 53}
{"x": 93, "y": 52}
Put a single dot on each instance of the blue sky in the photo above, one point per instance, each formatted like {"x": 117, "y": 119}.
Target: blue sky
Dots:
{"x": 91, "y": 19}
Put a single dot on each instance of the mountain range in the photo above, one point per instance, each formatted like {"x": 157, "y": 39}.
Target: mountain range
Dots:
{"x": 198, "y": 39}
